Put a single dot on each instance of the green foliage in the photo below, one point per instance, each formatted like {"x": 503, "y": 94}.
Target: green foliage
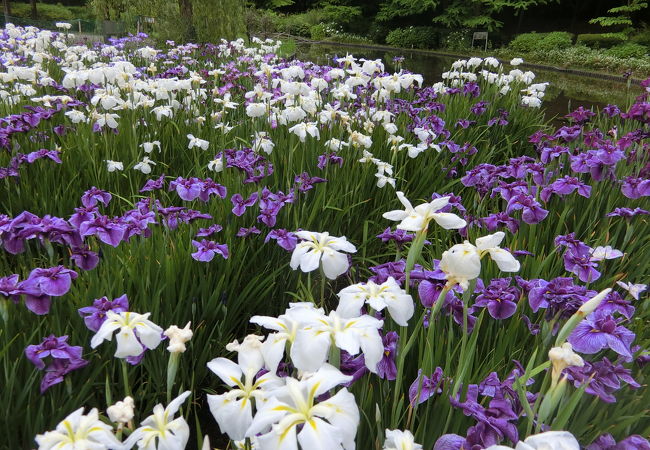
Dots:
{"x": 621, "y": 16}
{"x": 45, "y": 11}
{"x": 527, "y": 42}
{"x": 349, "y": 37}
{"x": 642, "y": 38}
{"x": 556, "y": 40}
{"x": 413, "y": 37}
{"x": 340, "y": 14}
{"x": 474, "y": 14}
{"x": 599, "y": 40}
{"x": 223, "y": 19}
{"x": 628, "y": 50}
{"x": 391, "y": 9}
{"x": 299, "y": 24}
{"x": 378, "y": 32}
{"x": 458, "y": 40}
{"x": 322, "y": 31}
{"x": 260, "y": 22}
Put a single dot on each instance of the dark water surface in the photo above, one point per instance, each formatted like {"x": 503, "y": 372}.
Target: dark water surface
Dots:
{"x": 565, "y": 93}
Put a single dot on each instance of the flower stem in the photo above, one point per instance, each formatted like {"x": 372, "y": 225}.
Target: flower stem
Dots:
{"x": 125, "y": 379}
{"x": 172, "y": 367}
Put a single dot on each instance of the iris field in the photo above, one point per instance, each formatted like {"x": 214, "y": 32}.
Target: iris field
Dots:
{"x": 211, "y": 246}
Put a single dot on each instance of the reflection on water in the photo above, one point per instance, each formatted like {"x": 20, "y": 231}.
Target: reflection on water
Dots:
{"x": 566, "y": 92}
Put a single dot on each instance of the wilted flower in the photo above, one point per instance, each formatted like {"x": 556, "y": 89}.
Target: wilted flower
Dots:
{"x": 122, "y": 411}
{"x": 178, "y": 337}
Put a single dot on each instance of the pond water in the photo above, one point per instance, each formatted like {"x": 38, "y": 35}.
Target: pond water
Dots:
{"x": 565, "y": 93}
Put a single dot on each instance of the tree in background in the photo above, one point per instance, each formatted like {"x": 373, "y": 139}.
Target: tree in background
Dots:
{"x": 176, "y": 19}
{"x": 621, "y": 17}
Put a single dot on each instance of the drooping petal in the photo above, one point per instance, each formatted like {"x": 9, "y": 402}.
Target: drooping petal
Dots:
{"x": 334, "y": 263}
{"x": 504, "y": 260}
{"x": 233, "y": 417}
{"x": 449, "y": 221}
{"x": 127, "y": 344}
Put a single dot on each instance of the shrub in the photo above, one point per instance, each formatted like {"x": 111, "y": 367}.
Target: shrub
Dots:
{"x": 45, "y": 11}
{"x": 413, "y": 37}
{"x": 556, "y": 40}
{"x": 459, "y": 40}
{"x": 527, "y": 42}
{"x": 628, "y": 50}
{"x": 260, "y": 22}
{"x": 349, "y": 37}
{"x": 642, "y": 38}
{"x": 601, "y": 40}
{"x": 323, "y": 31}
{"x": 377, "y": 32}
{"x": 299, "y": 24}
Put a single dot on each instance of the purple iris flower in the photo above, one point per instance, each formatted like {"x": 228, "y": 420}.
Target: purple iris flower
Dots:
{"x": 607, "y": 442}
{"x": 479, "y": 108}
{"x": 239, "y": 204}
{"x": 245, "y": 232}
{"x": 500, "y": 298}
{"x": 285, "y": 239}
{"x": 187, "y": 189}
{"x": 354, "y": 366}
{"x": 386, "y": 368}
{"x": 109, "y": 231}
{"x": 209, "y": 187}
{"x": 558, "y": 296}
{"x": 613, "y": 302}
{"x": 54, "y": 281}
{"x": 635, "y": 187}
{"x": 94, "y": 195}
{"x": 611, "y": 110}
{"x": 400, "y": 237}
{"x": 54, "y": 155}
{"x": 305, "y": 183}
{"x": 464, "y": 123}
{"x": 568, "y": 134}
{"x": 209, "y": 231}
{"x": 501, "y": 119}
{"x": 10, "y": 287}
{"x": 84, "y": 258}
{"x": 602, "y": 378}
{"x": 64, "y": 358}
{"x": 550, "y": 153}
{"x": 494, "y": 221}
{"x": 494, "y": 423}
{"x": 154, "y": 185}
{"x": 582, "y": 265}
{"x": 532, "y": 211}
{"x": 207, "y": 249}
{"x": 423, "y": 388}
{"x": 509, "y": 190}
{"x": 639, "y": 111}
{"x": 95, "y": 315}
{"x": 580, "y": 115}
{"x": 390, "y": 269}
{"x": 565, "y": 186}
{"x": 471, "y": 88}
{"x": 601, "y": 330}
{"x": 628, "y": 213}
{"x": 572, "y": 244}
{"x": 329, "y": 158}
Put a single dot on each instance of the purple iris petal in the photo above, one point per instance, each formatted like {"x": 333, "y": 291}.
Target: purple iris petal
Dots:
{"x": 95, "y": 315}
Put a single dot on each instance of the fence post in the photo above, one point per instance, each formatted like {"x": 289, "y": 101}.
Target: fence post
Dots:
{"x": 79, "y": 20}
